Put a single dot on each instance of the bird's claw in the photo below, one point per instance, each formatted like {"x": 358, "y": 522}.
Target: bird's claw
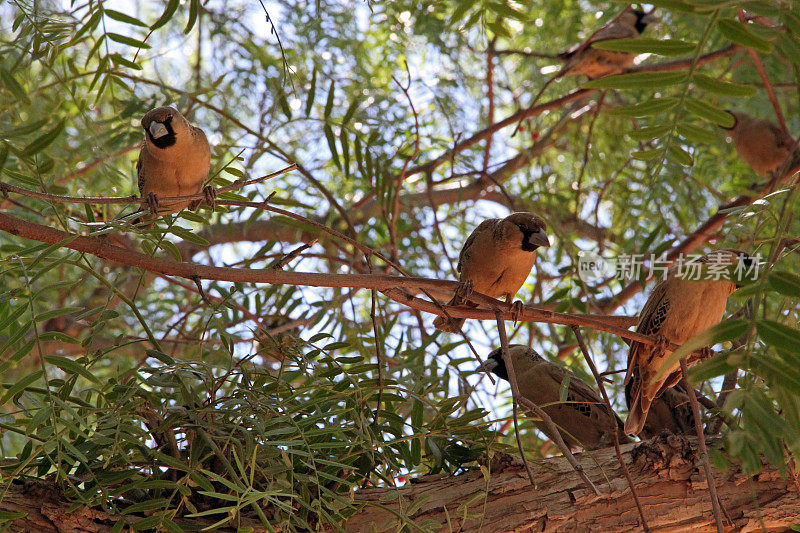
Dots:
{"x": 152, "y": 202}
{"x": 661, "y": 344}
{"x": 209, "y": 199}
{"x": 464, "y": 289}
{"x": 516, "y": 309}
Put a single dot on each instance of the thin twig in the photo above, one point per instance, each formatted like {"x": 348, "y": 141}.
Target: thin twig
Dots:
{"x": 133, "y": 199}
{"x": 701, "y": 442}
{"x": 515, "y": 394}
{"x": 614, "y": 430}
{"x": 289, "y": 257}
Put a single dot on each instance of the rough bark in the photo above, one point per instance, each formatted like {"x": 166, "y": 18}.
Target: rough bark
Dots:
{"x": 666, "y": 472}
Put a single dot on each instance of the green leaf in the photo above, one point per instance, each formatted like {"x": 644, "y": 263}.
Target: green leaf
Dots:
{"x": 696, "y": 133}
{"x": 763, "y": 8}
{"x": 646, "y": 134}
{"x": 645, "y": 109}
{"x": 739, "y": 33}
{"x": 709, "y": 112}
{"x": 71, "y": 367}
{"x": 120, "y": 60}
{"x": 789, "y": 48}
{"x": 637, "y": 80}
{"x": 779, "y": 336}
{"x": 130, "y": 41}
{"x": 647, "y": 155}
{"x": 332, "y": 145}
{"x": 171, "y": 249}
{"x": 785, "y": 283}
{"x": 122, "y": 17}
{"x": 329, "y": 102}
{"x": 311, "y": 91}
{"x": 45, "y": 140}
{"x": 194, "y": 8}
{"x": 167, "y": 15}
{"x": 792, "y": 21}
{"x": 724, "y": 331}
{"x": 6, "y": 516}
{"x": 724, "y": 88}
{"x": 665, "y": 47}
{"x": 21, "y": 385}
{"x": 11, "y": 83}
{"x": 681, "y": 156}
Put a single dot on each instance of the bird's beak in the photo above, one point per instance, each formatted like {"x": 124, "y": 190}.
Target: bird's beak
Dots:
{"x": 487, "y": 366}
{"x": 158, "y": 130}
{"x": 650, "y": 19}
{"x": 539, "y": 238}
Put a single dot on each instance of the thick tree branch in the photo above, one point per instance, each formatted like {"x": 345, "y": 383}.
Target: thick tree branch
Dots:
{"x": 665, "y": 470}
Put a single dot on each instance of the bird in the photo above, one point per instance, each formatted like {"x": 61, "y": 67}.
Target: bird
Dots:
{"x": 595, "y": 63}
{"x": 677, "y": 309}
{"x": 762, "y": 144}
{"x": 583, "y": 419}
{"x": 670, "y": 412}
{"x": 174, "y": 160}
{"x": 496, "y": 260}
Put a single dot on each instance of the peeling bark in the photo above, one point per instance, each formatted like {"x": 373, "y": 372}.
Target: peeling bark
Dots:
{"x": 666, "y": 471}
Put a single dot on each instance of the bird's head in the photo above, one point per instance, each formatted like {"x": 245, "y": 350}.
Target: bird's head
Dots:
{"x": 521, "y": 356}
{"x": 163, "y": 125}
{"x": 739, "y": 263}
{"x": 532, "y": 228}
{"x": 638, "y": 19}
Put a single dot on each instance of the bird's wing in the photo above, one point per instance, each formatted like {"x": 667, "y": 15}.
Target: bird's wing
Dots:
{"x": 139, "y": 174}
{"x": 465, "y": 250}
{"x": 650, "y": 322}
{"x": 578, "y": 391}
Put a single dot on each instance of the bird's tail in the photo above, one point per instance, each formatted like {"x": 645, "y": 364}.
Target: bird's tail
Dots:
{"x": 637, "y": 412}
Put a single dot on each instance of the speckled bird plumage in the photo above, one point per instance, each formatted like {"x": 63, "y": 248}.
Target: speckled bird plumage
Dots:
{"x": 594, "y": 63}
{"x": 583, "y": 420}
{"x": 173, "y": 163}
{"x": 762, "y": 144}
{"x": 677, "y": 310}
{"x": 497, "y": 258}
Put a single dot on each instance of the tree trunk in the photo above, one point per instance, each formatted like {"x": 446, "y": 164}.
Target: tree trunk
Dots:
{"x": 666, "y": 472}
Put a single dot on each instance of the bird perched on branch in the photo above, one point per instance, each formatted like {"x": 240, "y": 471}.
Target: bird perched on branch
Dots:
{"x": 762, "y": 144}
{"x": 173, "y": 161}
{"x": 669, "y": 412}
{"x": 585, "y": 59}
{"x": 495, "y": 260}
{"x": 583, "y": 419}
{"x": 679, "y": 308}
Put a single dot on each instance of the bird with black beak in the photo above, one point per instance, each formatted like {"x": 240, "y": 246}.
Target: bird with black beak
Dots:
{"x": 582, "y": 418}
{"x": 174, "y": 160}
{"x": 495, "y": 260}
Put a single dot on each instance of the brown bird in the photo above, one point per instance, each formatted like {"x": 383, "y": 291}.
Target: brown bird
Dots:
{"x": 679, "y": 308}
{"x": 585, "y": 59}
{"x": 760, "y": 143}
{"x": 173, "y": 161}
{"x": 496, "y": 260}
{"x": 583, "y": 419}
{"x": 669, "y": 412}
